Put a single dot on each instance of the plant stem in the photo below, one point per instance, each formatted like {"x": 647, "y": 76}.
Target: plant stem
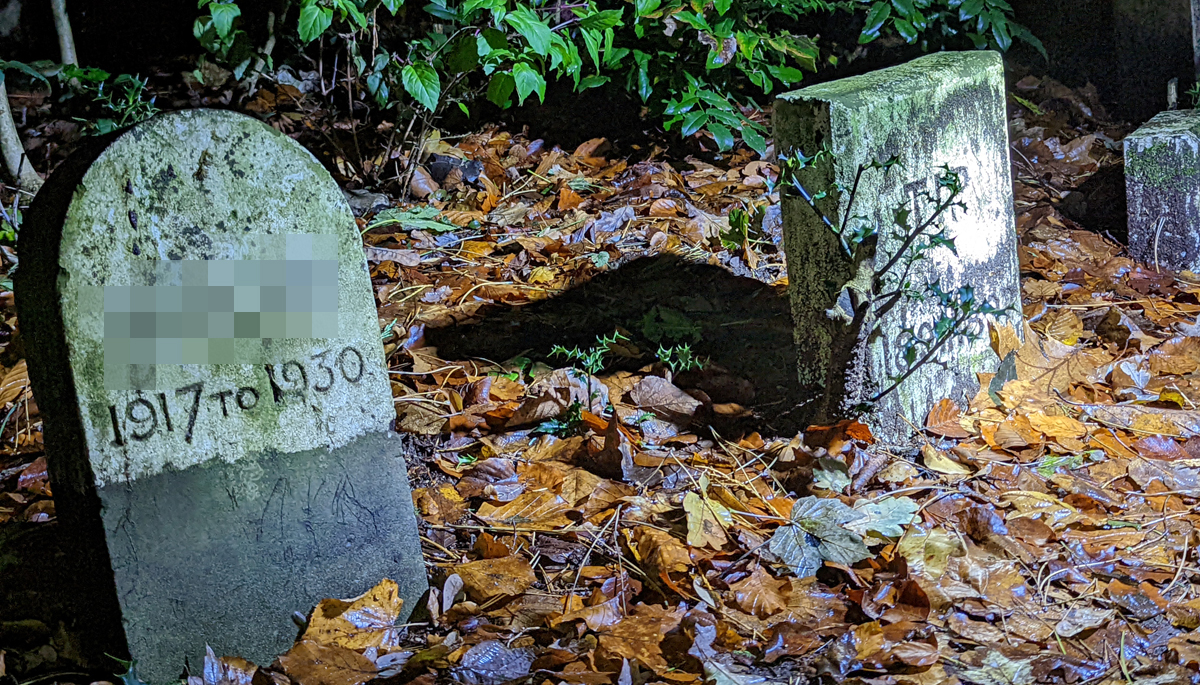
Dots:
{"x": 950, "y": 333}
{"x": 14, "y": 152}
{"x": 62, "y": 24}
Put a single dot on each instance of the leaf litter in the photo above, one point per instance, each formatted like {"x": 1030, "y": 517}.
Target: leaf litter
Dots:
{"x": 1043, "y": 533}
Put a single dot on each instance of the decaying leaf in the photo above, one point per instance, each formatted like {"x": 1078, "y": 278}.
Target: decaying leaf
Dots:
{"x": 817, "y": 533}
{"x": 312, "y": 663}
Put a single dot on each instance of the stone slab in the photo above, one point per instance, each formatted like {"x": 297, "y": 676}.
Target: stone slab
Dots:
{"x": 1162, "y": 186}
{"x": 941, "y": 109}
{"x": 205, "y": 351}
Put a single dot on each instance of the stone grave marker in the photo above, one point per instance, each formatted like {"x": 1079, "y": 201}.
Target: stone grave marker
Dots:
{"x": 941, "y": 109}
{"x": 206, "y": 356}
{"x": 1162, "y": 185}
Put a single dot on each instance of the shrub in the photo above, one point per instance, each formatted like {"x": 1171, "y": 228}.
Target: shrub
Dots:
{"x": 700, "y": 65}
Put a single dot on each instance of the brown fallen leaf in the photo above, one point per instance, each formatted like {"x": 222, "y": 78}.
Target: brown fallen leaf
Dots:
{"x": 364, "y": 621}
{"x": 227, "y": 670}
{"x": 759, "y": 593}
{"x": 312, "y": 663}
{"x": 662, "y": 553}
{"x": 491, "y": 578}
{"x": 944, "y": 419}
{"x": 662, "y": 398}
{"x": 640, "y": 636}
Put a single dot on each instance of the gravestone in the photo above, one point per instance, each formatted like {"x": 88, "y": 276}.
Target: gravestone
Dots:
{"x": 1162, "y": 185}
{"x": 205, "y": 353}
{"x": 941, "y": 109}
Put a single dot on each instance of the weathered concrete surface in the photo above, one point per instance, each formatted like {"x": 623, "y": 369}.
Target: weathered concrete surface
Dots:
{"x": 942, "y": 109}
{"x": 1162, "y": 184}
{"x": 168, "y": 444}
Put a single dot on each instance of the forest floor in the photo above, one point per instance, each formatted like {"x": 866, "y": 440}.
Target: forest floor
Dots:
{"x": 1044, "y": 533}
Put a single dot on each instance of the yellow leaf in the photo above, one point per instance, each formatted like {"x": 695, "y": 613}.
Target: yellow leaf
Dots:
{"x": 365, "y": 621}
{"x": 936, "y": 460}
{"x": 706, "y": 521}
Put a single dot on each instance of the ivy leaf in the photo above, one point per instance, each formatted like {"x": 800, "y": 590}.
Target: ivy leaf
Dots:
{"x": 533, "y": 29}
{"x": 528, "y": 81}
{"x": 422, "y": 82}
{"x": 314, "y": 20}
{"x": 886, "y": 517}
{"x": 223, "y": 16}
{"x": 817, "y": 532}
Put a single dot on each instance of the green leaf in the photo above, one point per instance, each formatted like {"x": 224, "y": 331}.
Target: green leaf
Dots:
{"x": 422, "y": 82}
{"x": 591, "y": 39}
{"x": 722, "y": 6}
{"x": 602, "y": 20}
{"x": 591, "y": 82}
{"x": 501, "y": 89}
{"x": 754, "y": 140}
{"x": 694, "y": 121}
{"x": 314, "y": 20}
{"x": 35, "y": 74}
{"x": 392, "y": 6}
{"x": 644, "y": 8}
{"x": 886, "y": 517}
{"x": 528, "y": 82}
{"x": 817, "y": 531}
{"x": 722, "y": 135}
{"x": 876, "y": 17}
{"x": 906, "y": 31}
{"x": 223, "y": 16}
{"x": 422, "y": 218}
{"x": 532, "y": 28}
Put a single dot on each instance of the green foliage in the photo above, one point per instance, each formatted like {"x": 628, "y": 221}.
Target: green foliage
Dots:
{"x": 592, "y": 359}
{"x": 881, "y": 281}
{"x": 423, "y": 217}
{"x": 664, "y": 323}
{"x": 679, "y": 358}
{"x": 701, "y": 67}
{"x": 570, "y": 423}
{"x": 124, "y": 97}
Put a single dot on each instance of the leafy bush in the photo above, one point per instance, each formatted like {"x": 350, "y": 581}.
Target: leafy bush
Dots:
{"x": 700, "y": 65}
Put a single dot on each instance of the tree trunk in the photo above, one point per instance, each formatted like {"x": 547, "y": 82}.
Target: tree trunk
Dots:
{"x": 15, "y": 160}
{"x": 66, "y": 40}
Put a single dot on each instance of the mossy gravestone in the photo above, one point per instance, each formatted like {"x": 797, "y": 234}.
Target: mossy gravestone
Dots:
{"x": 205, "y": 352}
{"x": 1162, "y": 184}
{"x": 940, "y": 110}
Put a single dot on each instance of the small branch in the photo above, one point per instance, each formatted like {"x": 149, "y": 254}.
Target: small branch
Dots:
{"x": 252, "y": 80}
{"x": 920, "y": 230}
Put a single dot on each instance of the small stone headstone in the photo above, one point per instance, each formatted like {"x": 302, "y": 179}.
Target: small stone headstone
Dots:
{"x": 205, "y": 352}
{"x": 942, "y": 109}
{"x": 1162, "y": 185}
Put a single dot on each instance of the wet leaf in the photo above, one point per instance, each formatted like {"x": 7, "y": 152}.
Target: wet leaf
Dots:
{"x": 491, "y": 578}
{"x": 311, "y": 663}
{"x": 365, "y": 621}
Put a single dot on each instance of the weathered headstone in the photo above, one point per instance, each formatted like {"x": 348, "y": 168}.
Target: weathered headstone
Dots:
{"x": 942, "y": 109}
{"x": 1162, "y": 185}
{"x": 205, "y": 352}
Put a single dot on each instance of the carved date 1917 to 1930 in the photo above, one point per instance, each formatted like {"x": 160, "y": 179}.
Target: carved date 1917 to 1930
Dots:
{"x": 142, "y": 417}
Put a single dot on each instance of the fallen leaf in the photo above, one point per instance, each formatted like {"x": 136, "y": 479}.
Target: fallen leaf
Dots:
{"x": 944, "y": 418}
{"x": 491, "y": 578}
{"x": 311, "y": 663}
{"x": 759, "y": 594}
{"x": 365, "y": 621}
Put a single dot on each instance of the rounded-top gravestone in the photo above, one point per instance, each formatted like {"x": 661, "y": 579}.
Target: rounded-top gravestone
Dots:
{"x": 205, "y": 352}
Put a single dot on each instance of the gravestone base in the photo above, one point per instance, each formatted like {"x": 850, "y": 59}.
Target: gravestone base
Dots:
{"x": 282, "y": 531}
{"x": 1162, "y": 185}
{"x": 945, "y": 109}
